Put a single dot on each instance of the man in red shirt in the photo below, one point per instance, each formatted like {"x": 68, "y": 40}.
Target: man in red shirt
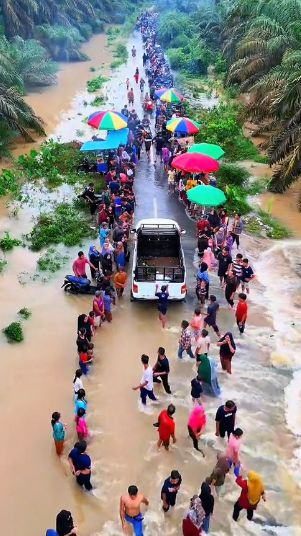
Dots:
{"x": 201, "y": 224}
{"x": 166, "y": 427}
{"x": 241, "y": 312}
{"x": 79, "y": 265}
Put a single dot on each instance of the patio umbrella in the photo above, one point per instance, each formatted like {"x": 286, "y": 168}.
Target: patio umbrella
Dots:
{"x": 170, "y": 95}
{"x": 215, "y": 151}
{"x": 183, "y": 125}
{"x": 160, "y": 92}
{"x": 207, "y": 196}
{"x": 107, "y": 120}
{"x": 195, "y": 163}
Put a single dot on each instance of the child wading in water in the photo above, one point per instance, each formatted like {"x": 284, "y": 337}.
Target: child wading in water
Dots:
{"x": 58, "y": 432}
{"x": 81, "y": 425}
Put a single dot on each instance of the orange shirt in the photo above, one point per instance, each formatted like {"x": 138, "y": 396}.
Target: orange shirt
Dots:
{"x": 120, "y": 279}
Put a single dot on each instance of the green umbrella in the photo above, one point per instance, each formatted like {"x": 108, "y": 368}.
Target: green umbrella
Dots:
{"x": 215, "y": 151}
{"x": 207, "y": 196}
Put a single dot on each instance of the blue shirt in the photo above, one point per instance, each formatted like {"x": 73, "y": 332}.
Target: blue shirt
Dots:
{"x": 80, "y": 404}
{"x": 58, "y": 432}
{"x": 51, "y": 532}
{"x": 107, "y": 302}
{"x": 163, "y": 297}
{"x": 203, "y": 276}
{"x": 80, "y": 461}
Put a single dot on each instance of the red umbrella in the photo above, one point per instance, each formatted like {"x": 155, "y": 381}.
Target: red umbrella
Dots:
{"x": 195, "y": 163}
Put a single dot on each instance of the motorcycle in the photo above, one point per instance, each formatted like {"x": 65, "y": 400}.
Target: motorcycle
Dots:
{"x": 82, "y": 285}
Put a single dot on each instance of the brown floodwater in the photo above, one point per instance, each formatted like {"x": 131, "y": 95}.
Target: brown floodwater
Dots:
{"x": 38, "y": 378}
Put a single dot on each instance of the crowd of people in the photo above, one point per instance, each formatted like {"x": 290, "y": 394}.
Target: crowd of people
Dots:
{"x": 113, "y": 211}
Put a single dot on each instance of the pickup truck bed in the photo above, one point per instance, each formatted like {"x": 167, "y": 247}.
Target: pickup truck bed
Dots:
{"x": 159, "y": 262}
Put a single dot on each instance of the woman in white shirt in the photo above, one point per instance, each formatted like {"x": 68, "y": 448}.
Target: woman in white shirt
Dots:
{"x": 77, "y": 382}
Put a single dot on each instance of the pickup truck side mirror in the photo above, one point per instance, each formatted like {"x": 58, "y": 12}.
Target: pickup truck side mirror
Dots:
{"x": 133, "y": 231}
{"x": 183, "y": 231}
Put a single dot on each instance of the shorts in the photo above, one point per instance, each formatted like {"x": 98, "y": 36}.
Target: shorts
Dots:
{"x": 245, "y": 284}
{"x": 162, "y": 310}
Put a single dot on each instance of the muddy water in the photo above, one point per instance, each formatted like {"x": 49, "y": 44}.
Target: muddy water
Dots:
{"x": 38, "y": 380}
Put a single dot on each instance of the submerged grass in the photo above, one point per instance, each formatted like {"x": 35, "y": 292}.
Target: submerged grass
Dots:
{"x": 65, "y": 225}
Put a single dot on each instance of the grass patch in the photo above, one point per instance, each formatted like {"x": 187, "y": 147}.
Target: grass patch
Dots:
{"x": 275, "y": 228}
{"x": 25, "y": 313}
{"x": 14, "y": 332}
{"x": 65, "y": 225}
{"x": 51, "y": 260}
{"x": 96, "y": 83}
{"x": 116, "y": 63}
{"x": 7, "y": 243}
{"x": 99, "y": 100}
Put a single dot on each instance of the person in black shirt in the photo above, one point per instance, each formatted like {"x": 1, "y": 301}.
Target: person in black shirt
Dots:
{"x": 225, "y": 419}
{"x": 207, "y": 504}
{"x": 196, "y": 389}
{"x": 82, "y": 341}
{"x": 224, "y": 260}
{"x": 83, "y": 321}
{"x": 170, "y": 489}
{"x": 80, "y": 464}
{"x": 214, "y": 221}
{"x": 161, "y": 370}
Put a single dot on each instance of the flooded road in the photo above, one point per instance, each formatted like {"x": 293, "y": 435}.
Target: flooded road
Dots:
{"x": 38, "y": 378}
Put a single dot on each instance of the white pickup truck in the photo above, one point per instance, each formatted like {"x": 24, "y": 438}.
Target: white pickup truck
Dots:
{"x": 158, "y": 259}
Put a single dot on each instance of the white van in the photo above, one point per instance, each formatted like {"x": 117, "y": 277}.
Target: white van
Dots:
{"x": 158, "y": 259}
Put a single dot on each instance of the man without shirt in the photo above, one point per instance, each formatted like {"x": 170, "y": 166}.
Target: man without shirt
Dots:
{"x": 130, "y": 510}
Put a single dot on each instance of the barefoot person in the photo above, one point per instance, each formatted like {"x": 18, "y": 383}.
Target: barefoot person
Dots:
{"x": 166, "y": 427}
{"x": 162, "y": 306}
{"x": 146, "y": 384}
{"x": 130, "y": 510}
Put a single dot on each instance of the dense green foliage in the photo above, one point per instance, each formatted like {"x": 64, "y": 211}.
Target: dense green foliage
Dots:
{"x": 14, "y": 332}
{"x": 65, "y": 225}
{"x": 7, "y": 243}
{"x": 261, "y": 44}
{"x": 51, "y": 261}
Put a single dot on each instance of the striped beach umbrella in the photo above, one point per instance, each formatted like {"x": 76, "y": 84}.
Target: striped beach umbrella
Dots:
{"x": 183, "y": 125}
{"x": 107, "y": 120}
{"x": 170, "y": 95}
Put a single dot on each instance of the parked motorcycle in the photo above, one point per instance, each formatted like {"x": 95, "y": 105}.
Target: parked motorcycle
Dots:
{"x": 82, "y": 285}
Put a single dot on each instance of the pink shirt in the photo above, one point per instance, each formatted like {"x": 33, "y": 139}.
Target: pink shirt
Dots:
{"x": 82, "y": 427}
{"x": 233, "y": 448}
{"x": 197, "y": 418}
{"x": 79, "y": 266}
{"x": 197, "y": 322}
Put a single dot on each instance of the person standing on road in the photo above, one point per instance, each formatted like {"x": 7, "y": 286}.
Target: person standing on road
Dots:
{"x": 227, "y": 349}
{"x": 146, "y": 384}
{"x": 129, "y": 510}
{"x": 163, "y": 296}
{"x": 185, "y": 341}
{"x": 252, "y": 490}
{"x": 224, "y": 260}
{"x": 225, "y": 419}
{"x": 166, "y": 427}
{"x": 218, "y": 475}
{"x": 131, "y": 97}
{"x": 233, "y": 448}
{"x": 196, "y": 324}
{"x": 161, "y": 370}
{"x": 170, "y": 489}
{"x": 241, "y": 312}
{"x": 210, "y": 318}
{"x": 196, "y": 425}
{"x": 120, "y": 280}
{"x": 136, "y": 75}
{"x": 64, "y": 525}
{"x": 207, "y": 503}
{"x": 237, "y": 229}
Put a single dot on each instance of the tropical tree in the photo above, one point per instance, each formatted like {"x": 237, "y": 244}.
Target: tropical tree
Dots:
{"x": 17, "y": 114}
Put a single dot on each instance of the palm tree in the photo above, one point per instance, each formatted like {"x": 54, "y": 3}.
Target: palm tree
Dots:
{"x": 18, "y": 16}
{"x": 18, "y": 115}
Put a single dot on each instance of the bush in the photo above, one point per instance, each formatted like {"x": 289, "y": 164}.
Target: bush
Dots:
{"x": 63, "y": 42}
{"x": 14, "y": 332}
{"x": 236, "y": 200}
{"x": 96, "y": 83}
{"x": 9, "y": 182}
{"x": 64, "y": 225}
{"x": 98, "y": 101}
{"x": 7, "y": 243}
{"x": 51, "y": 261}
{"x": 25, "y": 313}
{"x": 230, "y": 174}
